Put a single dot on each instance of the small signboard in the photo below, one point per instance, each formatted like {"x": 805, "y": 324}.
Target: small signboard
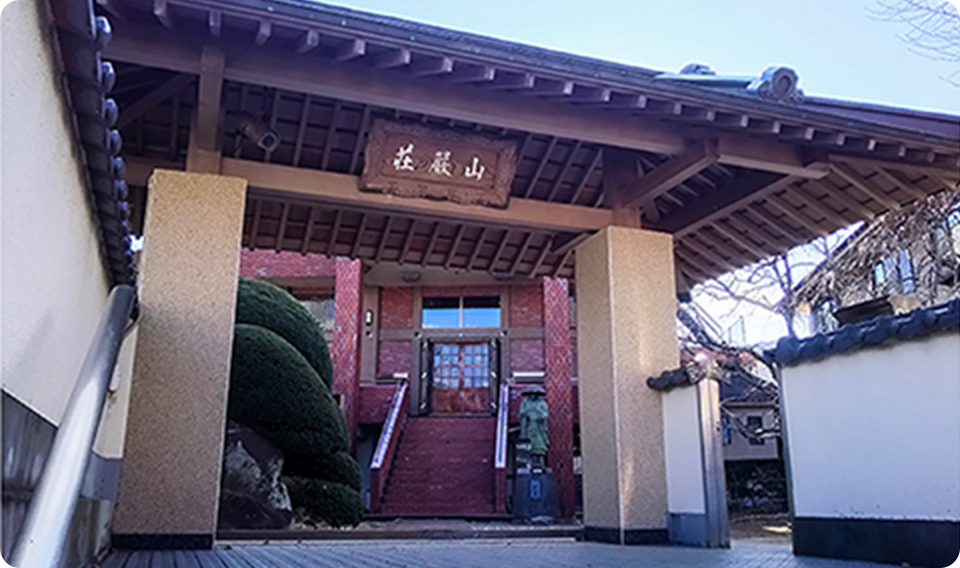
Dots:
{"x": 412, "y": 160}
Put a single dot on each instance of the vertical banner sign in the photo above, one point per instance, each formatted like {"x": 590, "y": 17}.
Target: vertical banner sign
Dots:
{"x": 411, "y": 160}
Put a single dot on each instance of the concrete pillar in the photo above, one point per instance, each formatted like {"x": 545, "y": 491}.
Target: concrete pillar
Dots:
{"x": 558, "y": 362}
{"x": 348, "y": 295}
{"x": 626, "y": 332}
{"x": 170, "y": 482}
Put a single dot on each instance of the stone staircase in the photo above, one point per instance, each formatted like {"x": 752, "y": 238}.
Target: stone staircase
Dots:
{"x": 443, "y": 468}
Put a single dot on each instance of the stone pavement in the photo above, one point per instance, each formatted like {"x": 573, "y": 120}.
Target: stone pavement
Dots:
{"x": 552, "y": 553}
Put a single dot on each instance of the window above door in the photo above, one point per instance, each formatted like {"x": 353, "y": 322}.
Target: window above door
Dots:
{"x": 463, "y": 311}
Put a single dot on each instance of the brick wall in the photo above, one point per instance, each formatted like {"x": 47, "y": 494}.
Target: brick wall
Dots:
{"x": 396, "y": 308}
{"x": 526, "y": 355}
{"x": 270, "y": 264}
{"x": 394, "y": 357}
{"x": 526, "y": 306}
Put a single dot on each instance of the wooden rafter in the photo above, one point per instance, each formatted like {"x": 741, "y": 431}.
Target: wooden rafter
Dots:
{"x": 308, "y": 231}
{"x": 156, "y": 96}
{"x": 899, "y": 180}
{"x": 274, "y": 112}
{"x": 431, "y": 242}
{"x": 724, "y": 248}
{"x": 597, "y": 156}
{"x": 351, "y": 49}
{"x": 215, "y": 22}
{"x": 544, "y": 250}
{"x": 571, "y": 156}
{"x": 672, "y": 173}
{"x": 407, "y": 241}
{"x": 834, "y": 192}
{"x": 282, "y": 227}
{"x": 720, "y": 202}
{"x": 771, "y": 241}
{"x": 308, "y": 41}
{"x": 500, "y": 248}
{"x": 539, "y": 171}
{"x": 561, "y": 263}
{"x": 691, "y": 242}
{"x": 358, "y": 143}
{"x": 865, "y": 185}
{"x": 301, "y": 129}
{"x": 454, "y": 246}
{"x": 799, "y": 217}
{"x": 331, "y": 133}
{"x": 390, "y": 58}
{"x": 334, "y": 230}
{"x": 255, "y": 227}
{"x": 174, "y": 153}
{"x": 204, "y": 152}
{"x": 476, "y": 248}
{"x": 161, "y": 11}
{"x": 521, "y": 251}
{"x": 432, "y": 66}
{"x": 388, "y": 225}
{"x": 775, "y": 223}
{"x": 264, "y": 31}
{"x": 825, "y": 211}
{"x": 741, "y": 241}
{"x": 359, "y": 238}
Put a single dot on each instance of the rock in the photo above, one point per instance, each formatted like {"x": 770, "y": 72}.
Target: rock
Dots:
{"x": 251, "y": 494}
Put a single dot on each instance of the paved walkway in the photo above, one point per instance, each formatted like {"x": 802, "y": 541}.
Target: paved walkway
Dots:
{"x": 474, "y": 554}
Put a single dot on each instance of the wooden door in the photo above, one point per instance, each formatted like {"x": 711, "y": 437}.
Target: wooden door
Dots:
{"x": 460, "y": 378}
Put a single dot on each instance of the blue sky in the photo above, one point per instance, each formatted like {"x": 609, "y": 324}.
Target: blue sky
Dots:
{"x": 835, "y": 46}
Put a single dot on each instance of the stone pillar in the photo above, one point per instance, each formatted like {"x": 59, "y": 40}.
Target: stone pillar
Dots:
{"x": 557, "y": 358}
{"x": 626, "y": 332}
{"x": 347, "y": 332}
{"x": 170, "y": 483}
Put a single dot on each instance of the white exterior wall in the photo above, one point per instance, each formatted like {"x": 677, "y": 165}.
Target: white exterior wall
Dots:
{"x": 682, "y": 451}
{"x": 876, "y": 433}
{"x": 740, "y": 447}
{"x": 54, "y": 285}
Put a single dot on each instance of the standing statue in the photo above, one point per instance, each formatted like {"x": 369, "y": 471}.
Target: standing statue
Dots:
{"x": 533, "y": 423}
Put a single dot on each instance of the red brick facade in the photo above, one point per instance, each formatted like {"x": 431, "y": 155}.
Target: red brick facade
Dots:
{"x": 396, "y": 308}
{"x": 556, "y": 332}
{"x": 526, "y": 355}
{"x": 270, "y": 264}
{"x": 526, "y": 306}
{"x": 346, "y": 340}
{"x": 394, "y": 357}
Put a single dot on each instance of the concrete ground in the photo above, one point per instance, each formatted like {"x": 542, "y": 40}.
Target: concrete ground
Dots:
{"x": 527, "y": 553}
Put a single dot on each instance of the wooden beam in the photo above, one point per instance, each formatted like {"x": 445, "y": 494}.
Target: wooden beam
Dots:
{"x": 430, "y": 243}
{"x": 788, "y": 210}
{"x": 344, "y": 190}
{"x": 520, "y": 252}
{"x": 571, "y": 156}
{"x": 823, "y": 209}
{"x": 335, "y": 228}
{"x": 470, "y": 73}
{"x": 741, "y": 241}
{"x": 540, "y": 258}
{"x": 544, "y": 87}
{"x": 264, "y": 31}
{"x": 562, "y": 242}
{"x": 308, "y": 41}
{"x": 308, "y": 231}
{"x": 949, "y": 173}
{"x": 139, "y": 44}
{"x": 174, "y": 153}
{"x": 855, "y": 207}
{"x": 215, "y": 22}
{"x": 359, "y": 142}
{"x": 543, "y": 163}
{"x": 899, "y": 180}
{"x": 394, "y": 57}
{"x": 407, "y": 241}
{"x": 512, "y": 81}
{"x": 866, "y": 186}
{"x": 357, "y": 241}
{"x": 454, "y": 246}
{"x": 206, "y": 136}
{"x": 161, "y": 11}
{"x": 329, "y": 139}
{"x": 776, "y": 224}
{"x": 722, "y": 201}
{"x": 352, "y": 49}
{"x": 149, "y": 101}
{"x": 429, "y": 66}
{"x": 561, "y": 263}
{"x": 301, "y": 129}
{"x": 476, "y": 248}
{"x": 672, "y": 173}
{"x": 738, "y": 258}
{"x": 500, "y": 248}
{"x": 255, "y": 227}
{"x": 274, "y": 113}
{"x": 621, "y": 169}
{"x": 282, "y": 228}
{"x": 383, "y": 239}
{"x": 723, "y": 264}
{"x": 597, "y": 156}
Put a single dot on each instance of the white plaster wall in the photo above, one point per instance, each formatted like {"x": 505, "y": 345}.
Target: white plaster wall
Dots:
{"x": 682, "y": 451}
{"x": 876, "y": 433}
{"x": 53, "y": 283}
{"x": 740, "y": 447}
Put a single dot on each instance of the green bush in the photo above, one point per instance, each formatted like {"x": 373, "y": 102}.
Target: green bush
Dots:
{"x": 338, "y": 468}
{"x": 275, "y": 391}
{"x": 263, "y": 304}
{"x": 336, "y": 504}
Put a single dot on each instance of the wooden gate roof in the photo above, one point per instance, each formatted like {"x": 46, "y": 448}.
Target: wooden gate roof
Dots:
{"x": 733, "y": 174}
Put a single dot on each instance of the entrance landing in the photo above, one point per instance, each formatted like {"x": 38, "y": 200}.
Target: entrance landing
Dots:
{"x": 474, "y": 554}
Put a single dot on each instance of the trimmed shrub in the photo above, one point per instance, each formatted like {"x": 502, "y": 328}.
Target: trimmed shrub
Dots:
{"x": 336, "y": 504}
{"x": 274, "y": 390}
{"x": 263, "y": 304}
{"x": 339, "y": 468}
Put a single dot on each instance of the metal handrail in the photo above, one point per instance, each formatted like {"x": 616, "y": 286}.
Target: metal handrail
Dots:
{"x": 47, "y": 524}
{"x": 387, "y": 444}
{"x": 503, "y": 413}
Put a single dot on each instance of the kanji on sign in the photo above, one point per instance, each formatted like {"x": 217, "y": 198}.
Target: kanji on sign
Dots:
{"x": 404, "y": 159}
{"x": 475, "y": 169}
{"x": 441, "y": 163}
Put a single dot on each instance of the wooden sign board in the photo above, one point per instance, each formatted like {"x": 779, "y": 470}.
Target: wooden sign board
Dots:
{"x": 411, "y": 160}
